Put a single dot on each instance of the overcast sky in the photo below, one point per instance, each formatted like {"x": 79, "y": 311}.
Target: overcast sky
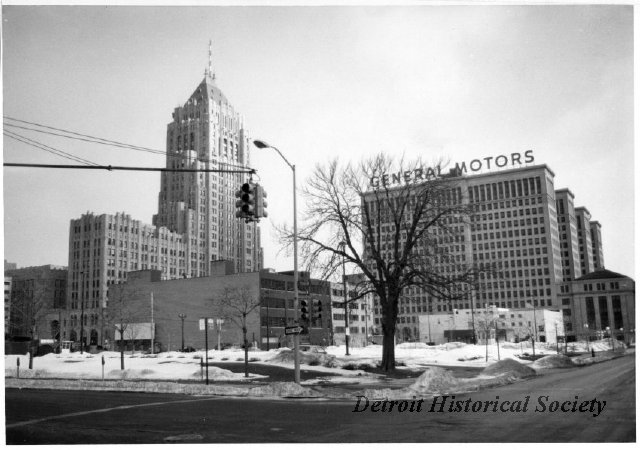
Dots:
{"x": 458, "y": 82}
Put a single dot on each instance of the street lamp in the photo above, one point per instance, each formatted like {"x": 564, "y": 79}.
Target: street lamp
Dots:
{"x": 586, "y": 325}
{"x": 82, "y": 312}
{"x": 296, "y": 337}
{"x": 182, "y": 317}
{"x": 347, "y": 332}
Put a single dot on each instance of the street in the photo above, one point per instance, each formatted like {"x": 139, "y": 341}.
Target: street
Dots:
{"x": 74, "y": 417}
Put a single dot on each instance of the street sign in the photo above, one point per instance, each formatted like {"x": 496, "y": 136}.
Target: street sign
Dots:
{"x": 209, "y": 321}
{"x": 293, "y": 330}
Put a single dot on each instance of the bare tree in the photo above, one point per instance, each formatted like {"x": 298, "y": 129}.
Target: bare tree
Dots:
{"x": 486, "y": 321}
{"x": 528, "y": 332}
{"x": 398, "y": 236}
{"x": 236, "y": 305}
{"x": 28, "y": 307}
{"x": 122, "y": 312}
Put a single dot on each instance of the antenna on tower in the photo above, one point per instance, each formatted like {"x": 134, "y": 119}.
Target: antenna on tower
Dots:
{"x": 211, "y": 74}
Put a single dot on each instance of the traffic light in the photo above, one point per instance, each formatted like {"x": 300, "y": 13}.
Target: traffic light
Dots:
{"x": 239, "y": 203}
{"x": 261, "y": 204}
{"x": 304, "y": 310}
{"x": 246, "y": 205}
{"x": 317, "y": 310}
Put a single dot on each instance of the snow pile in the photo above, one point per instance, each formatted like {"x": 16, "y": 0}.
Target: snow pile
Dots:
{"x": 311, "y": 359}
{"x": 26, "y": 373}
{"x": 129, "y": 373}
{"x": 282, "y": 389}
{"x": 383, "y": 394}
{"x": 412, "y": 345}
{"x": 434, "y": 379}
{"x": 508, "y": 368}
{"x": 453, "y": 345}
{"x": 552, "y": 362}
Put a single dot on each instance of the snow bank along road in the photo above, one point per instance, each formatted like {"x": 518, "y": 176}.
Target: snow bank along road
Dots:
{"x": 40, "y": 416}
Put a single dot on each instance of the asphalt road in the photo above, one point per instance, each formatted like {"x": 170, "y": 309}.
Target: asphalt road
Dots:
{"x": 59, "y": 417}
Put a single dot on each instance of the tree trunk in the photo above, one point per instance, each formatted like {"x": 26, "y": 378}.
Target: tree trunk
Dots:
{"x": 390, "y": 314}
{"x": 246, "y": 352}
{"x": 388, "y": 350}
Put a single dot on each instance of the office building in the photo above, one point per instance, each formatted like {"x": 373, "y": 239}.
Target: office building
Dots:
{"x": 7, "y": 305}
{"x": 207, "y": 133}
{"x": 518, "y": 222}
{"x": 596, "y": 245}
{"x": 195, "y": 224}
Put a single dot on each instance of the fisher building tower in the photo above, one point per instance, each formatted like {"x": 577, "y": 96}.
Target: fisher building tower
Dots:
{"x": 207, "y": 133}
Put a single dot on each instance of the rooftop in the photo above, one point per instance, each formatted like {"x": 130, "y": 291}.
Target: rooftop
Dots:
{"x": 601, "y": 274}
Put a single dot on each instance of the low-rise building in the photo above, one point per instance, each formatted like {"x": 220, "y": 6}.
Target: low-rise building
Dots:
{"x": 38, "y": 297}
{"x": 600, "y": 304}
{"x": 461, "y": 325}
{"x": 266, "y": 297}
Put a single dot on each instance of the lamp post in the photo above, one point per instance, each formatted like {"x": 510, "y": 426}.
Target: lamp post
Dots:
{"x": 586, "y": 326}
{"x": 182, "y": 317}
{"x": 346, "y": 303}
{"x": 219, "y": 323}
{"x": 622, "y": 334}
{"x": 82, "y": 312}
{"x": 296, "y": 337}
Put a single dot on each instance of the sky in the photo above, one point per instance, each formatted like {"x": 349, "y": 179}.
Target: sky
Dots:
{"x": 318, "y": 82}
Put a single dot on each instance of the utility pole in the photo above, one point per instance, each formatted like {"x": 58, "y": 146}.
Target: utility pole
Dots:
{"x": 152, "y": 327}
{"x": 182, "y": 317}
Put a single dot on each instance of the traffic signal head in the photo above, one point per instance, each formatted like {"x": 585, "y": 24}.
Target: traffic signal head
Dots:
{"x": 261, "y": 204}
{"x": 245, "y": 205}
{"x": 239, "y": 204}
{"x": 304, "y": 310}
{"x": 317, "y": 307}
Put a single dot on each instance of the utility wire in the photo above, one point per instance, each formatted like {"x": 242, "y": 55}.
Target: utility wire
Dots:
{"x": 46, "y": 148}
{"x": 90, "y": 138}
{"x": 110, "y": 168}
{"x": 93, "y": 139}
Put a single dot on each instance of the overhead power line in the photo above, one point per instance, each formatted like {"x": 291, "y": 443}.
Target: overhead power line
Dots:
{"x": 83, "y": 137}
{"x": 92, "y": 139}
{"x": 103, "y": 141}
{"x": 110, "y": 168}
{"x": 46, "y": 148}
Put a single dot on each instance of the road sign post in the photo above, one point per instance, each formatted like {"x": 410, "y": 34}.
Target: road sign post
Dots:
{"x": 205, "y": 324}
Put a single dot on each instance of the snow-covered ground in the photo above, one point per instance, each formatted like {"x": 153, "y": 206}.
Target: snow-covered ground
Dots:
{"x": 176, "y": 366}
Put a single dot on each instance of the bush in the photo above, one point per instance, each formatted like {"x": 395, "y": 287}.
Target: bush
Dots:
{"x": 314, "y": 362}
{"x": 225, "y": 359}
{"x": 254, "y": 359}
